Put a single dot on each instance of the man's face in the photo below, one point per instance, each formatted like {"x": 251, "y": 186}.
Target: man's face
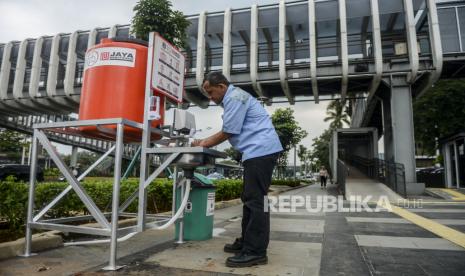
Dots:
{"x": 215, "y": 92}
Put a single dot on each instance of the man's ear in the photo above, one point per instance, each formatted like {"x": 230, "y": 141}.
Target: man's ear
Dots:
{"x": 204, "y": 85}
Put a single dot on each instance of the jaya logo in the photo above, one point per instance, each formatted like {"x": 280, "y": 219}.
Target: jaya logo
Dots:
{"x": 115, "y": 56}
{"x": 125, "y": 56}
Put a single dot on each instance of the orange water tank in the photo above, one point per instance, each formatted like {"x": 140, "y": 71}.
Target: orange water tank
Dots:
{"x": 114, "y": 87}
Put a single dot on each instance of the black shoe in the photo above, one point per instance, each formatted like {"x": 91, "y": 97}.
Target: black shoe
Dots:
{"x": 235, "y": 247}
{"x": 246, "y": 260}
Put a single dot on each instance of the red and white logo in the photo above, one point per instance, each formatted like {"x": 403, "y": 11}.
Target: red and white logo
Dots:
{"x": 105, "y": 55}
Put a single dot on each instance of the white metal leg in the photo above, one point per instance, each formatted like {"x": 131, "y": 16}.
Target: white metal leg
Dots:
{"x": 30, "y": 206}
{"x": 115, "y": 205}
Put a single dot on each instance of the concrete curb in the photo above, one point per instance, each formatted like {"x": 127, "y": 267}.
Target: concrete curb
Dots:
{"x": 435, "y": 194}
{"x": 40, "y": 242}
{"x": 53, "y": 239}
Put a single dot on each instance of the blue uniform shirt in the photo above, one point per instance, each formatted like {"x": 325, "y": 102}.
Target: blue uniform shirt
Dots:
{"x": 252, "y": 132}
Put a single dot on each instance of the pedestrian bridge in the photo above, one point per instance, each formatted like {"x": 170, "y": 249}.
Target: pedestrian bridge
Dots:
{"x": 380, "y": 54}
{"x": 291, "y": 50}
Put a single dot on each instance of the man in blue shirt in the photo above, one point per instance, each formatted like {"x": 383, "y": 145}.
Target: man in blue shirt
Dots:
{"x": 248, "y": 128}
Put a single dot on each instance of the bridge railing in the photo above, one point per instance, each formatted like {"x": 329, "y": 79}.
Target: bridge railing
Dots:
{"x": 389, "y": 173}
{"x": 341, "y": 175}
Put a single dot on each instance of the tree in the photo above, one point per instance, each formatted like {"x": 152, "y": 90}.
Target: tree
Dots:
{"x": 157, "y": 16}
{"x": 288, "y": 130}
{"x": 11, "y": 143}
{"x": 337, "y": 114}
{"x": 321, "y": 149}
{"x": 439, "y": 113}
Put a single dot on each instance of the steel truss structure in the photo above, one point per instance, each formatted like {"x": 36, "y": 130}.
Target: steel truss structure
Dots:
{"x": 187, "y": 158}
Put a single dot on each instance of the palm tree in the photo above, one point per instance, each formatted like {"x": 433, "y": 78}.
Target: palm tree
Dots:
{"x": 337, "y": 114}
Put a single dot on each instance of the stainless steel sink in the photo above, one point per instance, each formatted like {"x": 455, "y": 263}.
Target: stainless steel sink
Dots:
{"x": 192, "y": 157}
{"x": 193, "y": 160}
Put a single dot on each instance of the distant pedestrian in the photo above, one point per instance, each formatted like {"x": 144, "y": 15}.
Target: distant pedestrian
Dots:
{"x": 323, "y": 177}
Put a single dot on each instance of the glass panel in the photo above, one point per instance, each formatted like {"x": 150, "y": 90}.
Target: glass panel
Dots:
{"x": 268, "y": 37}
{"x": 63, "y": 53}
{"x": 122, "y": 32}
{"x": 101, "y": 34}
{"x": 359, "y": 30}
{"x": 29, "y": 57}
{"x": 393, "y": 33}
{"x": 297, "y": 30}
{"x": 240, "y": 40}
{"x": 13, "y": 61}
{"x": 46, "y": 48}
{"x": 327, "y": 28}
{"x": 448, "y": 28}
{"x": 421, "y": 19}
{"x": 191, "y": 51}
{"x": 81, "y": 48}
{"x": 214, "y": 42}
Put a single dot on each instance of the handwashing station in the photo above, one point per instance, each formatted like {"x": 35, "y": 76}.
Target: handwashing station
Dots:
{"x": 127, "y": 85}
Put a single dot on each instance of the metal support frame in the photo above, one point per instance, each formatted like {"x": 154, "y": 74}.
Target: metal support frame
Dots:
{"x": 401, "y": 113}
{"x": 313, "y": 49}
{"x": 254, "y": 51}
{"x": 5, "y": 70}
{"x": 69, "y": 188}
{"x": 377, "y": 48}
{"x": 344, "y": 48}
{"x": 227, "y": 43}
{"x": 113, "y": 30}
{"x": 200, "y": 70}
{"x": 282, "y": 52}
{"x": 20, "y": 70}
{"x": 53, "y": 67}
{"x": 436, "y": 46}
{"x": 71, "y": 65}
{"x": 92, "y": 37}
{"x": 106, "y": 228}
{"x": 411, "y": 40}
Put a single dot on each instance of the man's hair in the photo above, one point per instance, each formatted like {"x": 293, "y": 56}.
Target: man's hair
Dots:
{"x": 216, "y": 78}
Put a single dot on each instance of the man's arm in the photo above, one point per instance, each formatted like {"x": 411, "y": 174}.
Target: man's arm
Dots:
{"x": 212, "y": 141}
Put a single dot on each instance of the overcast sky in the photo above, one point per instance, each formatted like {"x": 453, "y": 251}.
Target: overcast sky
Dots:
{"x": 22, "y": 19}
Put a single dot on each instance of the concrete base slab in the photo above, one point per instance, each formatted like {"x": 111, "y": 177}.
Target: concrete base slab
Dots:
{"x": 284, "y": 258}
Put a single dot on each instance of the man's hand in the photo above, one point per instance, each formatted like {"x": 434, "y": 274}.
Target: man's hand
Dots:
{"x": 211, "y": 141}
{"x": 198, "y": 143}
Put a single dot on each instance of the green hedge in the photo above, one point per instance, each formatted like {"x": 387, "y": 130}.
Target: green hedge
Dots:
{"x": 290, "y": 183}
{"x": 13, "y": 197}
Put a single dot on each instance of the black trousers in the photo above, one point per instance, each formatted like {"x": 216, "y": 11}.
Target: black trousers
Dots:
{"x": 255, "y": 219}
{"x": 323, "y": 181}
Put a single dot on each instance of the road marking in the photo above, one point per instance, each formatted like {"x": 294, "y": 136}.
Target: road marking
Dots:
{"x": 430, "y": 225}
{"x": 437, "y": 210}
{"x": 454, "y": 194}
{"x": 401, "y": 220}
{"x": 406, "y": 242}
